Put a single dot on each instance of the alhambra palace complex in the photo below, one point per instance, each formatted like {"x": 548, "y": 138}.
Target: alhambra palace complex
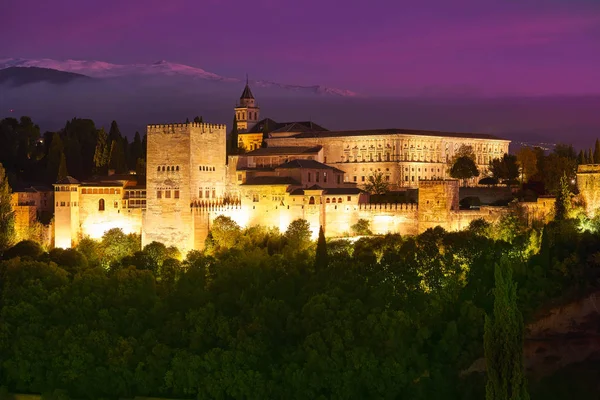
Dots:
{"x": 290, "y": 170}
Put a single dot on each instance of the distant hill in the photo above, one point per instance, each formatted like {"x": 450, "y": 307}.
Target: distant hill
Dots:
{"x": 19, "y": 76}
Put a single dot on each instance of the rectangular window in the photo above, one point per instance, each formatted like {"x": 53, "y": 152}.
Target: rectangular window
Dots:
{"x": 324, "y": 176}
{"x": 355, "y": 178}
{"x": 167, "y": 194}
{"x": 116, "y": 204}
{"x": 214, "y": 194}
{"x": 62, "y": 203}
{"x": 255, "y": 198}
{"x": 387, "y": 177}
{"x": 200, "y": 193}
{"x": 239, "y": 177}
{"x": 207, "y": 193}
{"x": 159, "y": 194}
{"x": 339, "y": 179}
{"x": 309, "y": 176}
{"x": 317, "y": 177}
{"x": 325, "y": 160}
{"x": 362, "y": 178}
{"x": 176, "y": 194}
{"x": 349, "y": 198}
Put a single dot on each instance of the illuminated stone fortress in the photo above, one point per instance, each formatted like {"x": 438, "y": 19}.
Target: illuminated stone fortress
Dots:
{"x": 290, "y": 170}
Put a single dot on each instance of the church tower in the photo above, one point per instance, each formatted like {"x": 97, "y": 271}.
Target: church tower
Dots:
{"x": 246, "y": 112}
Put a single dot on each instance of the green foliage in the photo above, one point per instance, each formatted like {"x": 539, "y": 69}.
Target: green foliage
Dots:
{"x": 503, "y": 341}
{"x": 135, "y": 154}
{"x": 596, "y": 156}
{"x": 464, "y": 168}
{"x": 56, "y": 159}
{"x": 321, "y": 260}
{"x": 298, "y": 234}
{"x": 362, "y": 227}
{"x": 390, "y": 316}
{"x": 225, "y": 232}
{"x": 562, "y": 206}
{"x": 101, "y": 152}
{"x": 25, "y": 248}
{"x": 376, "y": 183}
{"x": 117, "y": 159}
{"x": 7, "y": 215}
{"x": 505, "y": 168}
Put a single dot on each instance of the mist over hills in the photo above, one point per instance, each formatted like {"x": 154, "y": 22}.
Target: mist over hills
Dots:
{"x": 135, "y": 100}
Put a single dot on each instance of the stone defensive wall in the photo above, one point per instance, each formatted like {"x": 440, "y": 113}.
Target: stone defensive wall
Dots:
{"x": 180, "y": 128}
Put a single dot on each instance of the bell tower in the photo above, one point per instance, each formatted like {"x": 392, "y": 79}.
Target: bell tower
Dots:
{"x": 247, "y": 112}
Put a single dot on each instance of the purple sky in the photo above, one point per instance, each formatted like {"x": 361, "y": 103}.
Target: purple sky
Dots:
{"x": 530, "y": 47}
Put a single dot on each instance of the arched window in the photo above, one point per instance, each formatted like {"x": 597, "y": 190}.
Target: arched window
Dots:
{"x": 333, "y": 200}
{"x": 339, "y": 199}
{"x": 177, "y": 168}
{"x": 311, "y": 200}
{"x": 328, "y": 200}
{"x": 168, "y": 168}
{"x": 158, "y": 169}
{"x": 101, "y": 205}
{"x": 163, "y": 168}
{"x": 172, "y": 168}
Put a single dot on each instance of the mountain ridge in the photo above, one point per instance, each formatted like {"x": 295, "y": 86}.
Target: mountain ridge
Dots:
{"x": 102, "y": 70}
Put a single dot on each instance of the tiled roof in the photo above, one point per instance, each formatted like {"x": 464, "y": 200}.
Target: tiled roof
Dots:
{"x": 69, "y": 180}
{"x": 373, "y": 132}
{"x": 270, "y": 180}
{"x": 269, "y": 125}
{"x": 326, "y": 191}
{"x": 284, "y": 150}
{"x": 307, "y": 164}
{"x": 247, "y": 93}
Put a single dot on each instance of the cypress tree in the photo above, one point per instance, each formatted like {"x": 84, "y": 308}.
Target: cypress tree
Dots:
{"x": 503, "y": 341}
{"x": 102, "y": 152}
{"x": 117, "y": 157}
{"x": 144, "y": 146}
{"x": 187, "y": 121}
{"x": 135, "y": 150}
{"x": 62, "y": 168}
{"x": 562, "y": 206}
{"x": 54, "y": 158}
{"x": 114, "y": 133}
{"x": 597, "y": 152}
{"x": 7, "y": 215}
{"x": 581, "y": 158}
{"x": 321, "y": 260}
{"x": 591, "y": 156}
{"x": 198, "y": 119}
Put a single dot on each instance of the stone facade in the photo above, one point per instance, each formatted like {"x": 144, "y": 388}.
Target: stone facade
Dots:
{"x": 588, "y": 182}
{"x": 404, "y": 157}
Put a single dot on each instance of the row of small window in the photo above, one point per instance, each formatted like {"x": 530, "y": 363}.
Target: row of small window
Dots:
{"x": 137, "y": 204}
{"x": 65, "y": 188}
{"x": 365, "y": 158}
{"x": 252, "y": 116}
{"x": 135, "y": 194}
{"x": 363, "y": 178}
{"x": 167, "y": 168}
{"x": 100, "y": 191}
{"x": 205, "y": 193}
{"x": 66, "y": 204}
{"x": 206, "y": 168}
{"x": 419, "y": 169}
{"x": 339, "y": 200}
{"x": 167, "y": 194}
{"x": 318, "y": 177}
{"x": 412, "y": 178}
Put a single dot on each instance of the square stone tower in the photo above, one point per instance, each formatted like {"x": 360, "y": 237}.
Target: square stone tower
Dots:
{"x": 438, "y": 204}
{"x": 186, "y": 164}
{"x": 588, "y": 183}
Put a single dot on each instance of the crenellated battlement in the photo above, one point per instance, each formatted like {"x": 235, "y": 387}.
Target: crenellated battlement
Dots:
{"x": 203, "y": 206}
{"x": 174, "y": 128}
{"x": 389, "y": 206}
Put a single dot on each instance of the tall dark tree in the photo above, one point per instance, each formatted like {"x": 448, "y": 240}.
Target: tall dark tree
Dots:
{"x": 54, "y": 158}
{"x": 198, "y": 119}
{"x": 321, "y": 260}
{"x": 503, "y": 341}
{"x": 73, "y": 154}
{"x": 140, "y": 167}
{"x": 464, "y": 168}
{"x": 597, "y": 152}
{"x": 144, "y": 146}
{"x": 102, "y": 153}
{"x": 7, "y": 215}
{"x": 505, "y": 168}
{"x": 126, "y": 153}
{"x": 581, "y": 159}
{"x": 135, "y": 150}
{"x": 114, "y": 133}
{"x": 187, "y": 121}
{"x": 590, "y": 156}
{"x": 562, "y": 206}
{"x": 62, "y": 168}
{"x": 87, "y": 136}
{"x": 117, "y": 160}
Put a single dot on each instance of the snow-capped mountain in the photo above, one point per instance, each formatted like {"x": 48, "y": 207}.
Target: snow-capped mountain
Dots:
{"x": 100, "y": 69}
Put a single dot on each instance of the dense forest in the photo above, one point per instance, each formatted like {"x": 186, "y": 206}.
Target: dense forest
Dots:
{"x": 262, "y": 314}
